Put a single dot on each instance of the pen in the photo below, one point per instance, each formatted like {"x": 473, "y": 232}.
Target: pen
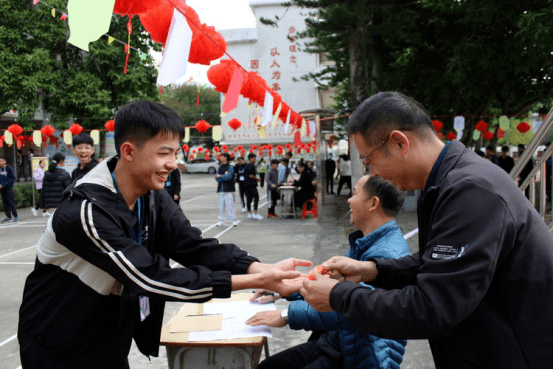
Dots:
{"x": 265, "y": 293}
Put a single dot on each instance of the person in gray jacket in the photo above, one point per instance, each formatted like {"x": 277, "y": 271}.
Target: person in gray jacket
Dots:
{"x": 481, "y": 291}
{"x": 272, "y": 188}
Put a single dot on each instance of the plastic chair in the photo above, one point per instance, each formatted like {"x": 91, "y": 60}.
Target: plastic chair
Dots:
{"x": 313, "y": 209}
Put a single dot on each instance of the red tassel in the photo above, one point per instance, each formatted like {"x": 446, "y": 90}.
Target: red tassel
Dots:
{"x": 128, "y": 51}
{"x": 161, "y": 90}
{"x": 128, "y": 45}
{"x": 198, "y": 98}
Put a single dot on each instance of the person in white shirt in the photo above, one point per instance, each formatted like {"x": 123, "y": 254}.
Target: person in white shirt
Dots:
{"x": 344, "y": 171}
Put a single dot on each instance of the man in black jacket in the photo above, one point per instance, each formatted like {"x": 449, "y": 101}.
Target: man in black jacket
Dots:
{"x": 479, "y": 290}
{"x": 102, "y": 274}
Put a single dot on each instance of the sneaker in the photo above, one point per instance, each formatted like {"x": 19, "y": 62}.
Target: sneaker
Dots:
{"x": 16, "y": 219}
{"x": 272, "y": 216}
{"x": 6, "y": 220}
{"x": 250, "y": 216}
{"x": 257, "y": 216}
{"x": 46, "y": 214}
{"x": 244, "y": 210}
{"x": 235, "y": 223}
{"x": 219, "y": 223}
{"x": 33, "y": 210}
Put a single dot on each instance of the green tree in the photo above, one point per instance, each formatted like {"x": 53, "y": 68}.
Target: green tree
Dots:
{"x": 183, "y": 99}
{"x": 40, "y": 69}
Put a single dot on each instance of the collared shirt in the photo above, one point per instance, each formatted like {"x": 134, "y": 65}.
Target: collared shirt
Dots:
{"x": 434, "y": 172}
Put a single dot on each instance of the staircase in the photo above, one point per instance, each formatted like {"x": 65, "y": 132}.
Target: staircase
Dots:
{"x": 537, "y": 196}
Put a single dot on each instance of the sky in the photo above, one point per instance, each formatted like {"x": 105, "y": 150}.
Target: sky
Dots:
{"x": 221, "y": 14}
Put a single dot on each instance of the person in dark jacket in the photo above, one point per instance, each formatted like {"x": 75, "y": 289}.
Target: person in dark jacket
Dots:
{"x": 480, "y": 291}
{"x": 526, "y": 170}
{"x": 240, "y": 172}
{"x": 250, "y": 187}
{"x": 102, "y": 272}
{"x": 55, "y": 181}
{"x": 83, "y": 149}
{"x": 225, "y": 190}
{"x": 330, "y": 168}
{"x": 173, "y": 186}
{"x": 374, "y": 206}
{"x": 505, "y": 161}
{"x": 272, "y": 188}
{"x": 7, "y": 178}
{"x": 306, "y": 190}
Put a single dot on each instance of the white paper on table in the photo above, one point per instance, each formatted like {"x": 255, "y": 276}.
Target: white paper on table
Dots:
{"x": 235, "y": 315}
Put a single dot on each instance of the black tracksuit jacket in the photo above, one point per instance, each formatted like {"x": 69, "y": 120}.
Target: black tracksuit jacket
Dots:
{"x": 81, "y": 303}
{"x": 480, "y": 288}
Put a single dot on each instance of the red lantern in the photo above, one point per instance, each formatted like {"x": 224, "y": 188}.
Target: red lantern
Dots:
{"x": 254, "y": 88}
{"x": 200, "y": 149}
{"x": 185, "y": 147}
{"x": 216, "y": 149}
{"x": 254, "y": 147}
{"x": 207, "y": 155}
{"x": 157, "y": 20}
{"x": 500, "y": 133}
{"x": 220, "y": 75}
{"x": 202, "y": 126}
{"x": 132, "y": 7}
{"x": 207, "y": 45}
{"x": 110, "y": 125}
{"x": 75, "y": 129}
{"x": 481, "y": 126}
{"x": 437, "y": 125}
{"x": 219, "y": 156}
{"x": 451, "y": 136}
{"x": 47, "y": 130}
{"x": 225, "y": 148}
{"x": 487, "y": 135}
{"x": 523, "y": 127}
{"x": 191, "y": 157}
{"x": 234, "y": 124}
{"x": 15, "y": 129}
{"x": 239, "y": 148}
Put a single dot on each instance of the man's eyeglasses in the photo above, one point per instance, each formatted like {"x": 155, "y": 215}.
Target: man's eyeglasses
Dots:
{"x": 365, "y": 158}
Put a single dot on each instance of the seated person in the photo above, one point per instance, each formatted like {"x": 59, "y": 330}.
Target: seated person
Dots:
{"x": 374, "y": 205}
{"x": 306, "y": 189}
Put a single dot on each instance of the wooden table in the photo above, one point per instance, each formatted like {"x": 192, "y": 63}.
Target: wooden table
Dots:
{"x": 231, "y": 353}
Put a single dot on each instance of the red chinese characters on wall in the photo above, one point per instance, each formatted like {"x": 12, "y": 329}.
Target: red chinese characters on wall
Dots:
{"x": 254, "y": 64}
{"x": 276, "y": 71}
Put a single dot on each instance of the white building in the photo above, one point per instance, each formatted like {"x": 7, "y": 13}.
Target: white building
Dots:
{"x": 276, "y": 53}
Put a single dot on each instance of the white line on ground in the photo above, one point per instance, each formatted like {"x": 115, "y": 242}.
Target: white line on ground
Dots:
{"x": 15, "y": 252}
{"x": 15, "y": 263}
{"x": 8, "y": 340}
{"x": 192, "y": 199}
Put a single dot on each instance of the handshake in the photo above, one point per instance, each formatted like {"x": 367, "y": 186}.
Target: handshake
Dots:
{"x": 315, "y": 287}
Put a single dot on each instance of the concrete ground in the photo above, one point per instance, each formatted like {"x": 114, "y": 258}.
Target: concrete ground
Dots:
{"x": 270, "y": 240}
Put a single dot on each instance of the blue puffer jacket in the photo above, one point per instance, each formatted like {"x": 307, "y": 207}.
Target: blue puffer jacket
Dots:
{"x": 360, "y": 349}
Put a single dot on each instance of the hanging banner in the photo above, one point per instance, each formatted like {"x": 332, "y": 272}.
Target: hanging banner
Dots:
{"x": 88, "y": 21}
{"x": 262, "y": 132}
{"x": 287, "y": 124}
{"x": 37, "y": 138}
{"x": 504, "y": 123}
{"x": 177, "y": 48}
{"x": 187, "y": 134}
{"x": 303, "y": 128}
{"x": 216, "y": 133}
{"x": 312, "y": 128}
{"x": 8, "y": 137}
{"x": 233, "y": 92}
{"x": 476, "y": 135}
{"x": 459, "y": 135}
{"x": 275, "y": 117}
{"x": 95, "y": 134}
{"x": 267, "y": 109}
{"x": 459, "y": 123}
{"x": 67, "y": 137}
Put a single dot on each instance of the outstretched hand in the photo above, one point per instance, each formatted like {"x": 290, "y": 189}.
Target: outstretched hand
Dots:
{"x": 282, "y": 282}
{"x": 344, "y": 268}
{"x": 292, "y": 263}
{"x": 271, "y": 318}
{"x": 317, "y": 292}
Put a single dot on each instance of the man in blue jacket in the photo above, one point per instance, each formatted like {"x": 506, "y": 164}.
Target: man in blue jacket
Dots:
{"x": 481, "y": 291}
{"x": 374, "y": 206}
{"x": 7, "y": 178}
{"x": 102, "y": 272}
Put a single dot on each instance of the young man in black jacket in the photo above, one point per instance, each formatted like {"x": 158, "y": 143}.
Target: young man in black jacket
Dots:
{"x": 102, "y": 274}
{"x": 479, "y": 290}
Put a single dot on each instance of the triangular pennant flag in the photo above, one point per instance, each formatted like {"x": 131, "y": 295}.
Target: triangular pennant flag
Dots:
{"x": 476, "y": 135}
{"x": 223, "y": 114}
{"x": 275, "y": 117}
{"x": 459, "y": 123}
{"x": 459, "y": 135}
{"x": 88, "y": 20}
{"x": 8, "y": 137}
{"x": 216, "y": 133}
{"x": 249, "y": 105}
{"x": 267, "y": 108}
{"x": 53, "y": 12}
{"x": 187, "y": 134}
{"x": 303, "y": 128}
{"x": 233, "y": 92}
{"x": 67, "y": 137}
{"x": 110, "y": 40}
{"x": 504, "y": 122}
{"x": 177, "y": 50}
{"x": 34, "y": 3}
{"x": 287, "y": 124}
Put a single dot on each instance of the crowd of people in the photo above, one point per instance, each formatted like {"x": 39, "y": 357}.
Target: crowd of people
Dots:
{"x": 479, "y": 291}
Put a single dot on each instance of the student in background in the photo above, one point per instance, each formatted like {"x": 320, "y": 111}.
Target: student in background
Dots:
{"x": 83, "y": 149}
{"x": 38, "y": 177}
{"x": 56, "y": 180}
{"x": 7, "y": 179}
{"x": 173, "y": 186}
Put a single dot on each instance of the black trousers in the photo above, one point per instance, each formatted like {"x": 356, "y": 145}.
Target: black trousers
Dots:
{"x": 316, "y": 354}
{"x": 346, "y": 180}
{"x": 252, "y": 194}
{"x": 241, "y": 192}
{"x": 274, "y": 198}
{"x": 262, "y": 177}
{"x": 330, "y": 184}
{"x": 8, "y": 200}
